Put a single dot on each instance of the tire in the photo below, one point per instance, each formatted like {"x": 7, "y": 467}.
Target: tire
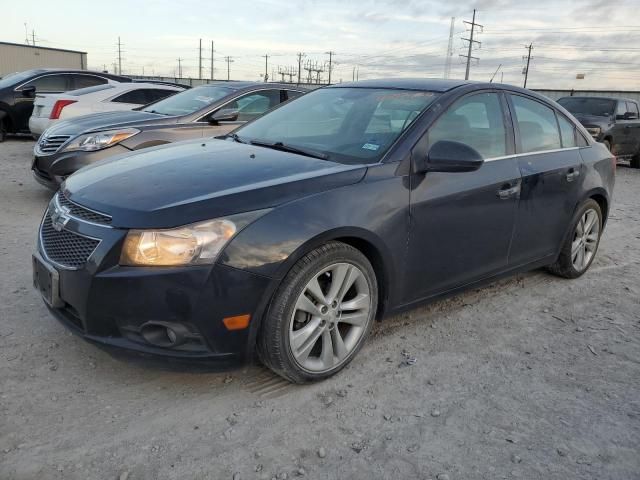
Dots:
{"x": 3, "y": 130}
{"x": 304, "y": 339}
{"x": 568, "y": 264}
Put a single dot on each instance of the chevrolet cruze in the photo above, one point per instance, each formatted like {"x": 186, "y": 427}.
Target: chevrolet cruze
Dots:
{"x": 291, "y": 235}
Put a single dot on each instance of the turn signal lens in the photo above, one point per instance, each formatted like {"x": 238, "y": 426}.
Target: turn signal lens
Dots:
{"x": 236, "y": 323}
{"x": 199, "y": 243}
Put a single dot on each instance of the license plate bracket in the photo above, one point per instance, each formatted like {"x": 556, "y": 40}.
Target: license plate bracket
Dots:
{"x": 46, "y": 280}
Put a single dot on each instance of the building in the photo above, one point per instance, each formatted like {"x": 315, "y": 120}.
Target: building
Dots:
{"x": 16, "y": 57}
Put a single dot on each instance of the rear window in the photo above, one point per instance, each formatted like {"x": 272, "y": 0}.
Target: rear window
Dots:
{"x": 598, "y": 107}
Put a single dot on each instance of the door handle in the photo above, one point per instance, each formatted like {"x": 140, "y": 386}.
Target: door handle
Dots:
{"x": 508, "y": 191}
{"x": 572, "y": 174}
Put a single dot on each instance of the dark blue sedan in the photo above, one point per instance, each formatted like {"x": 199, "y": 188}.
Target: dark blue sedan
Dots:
{"x": 290, "y": 236}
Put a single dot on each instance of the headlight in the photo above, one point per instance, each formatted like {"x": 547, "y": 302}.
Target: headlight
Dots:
{"x": 195, "y": 244}
{"x": 594, "y": 131}
{"x": 97, "y": 141}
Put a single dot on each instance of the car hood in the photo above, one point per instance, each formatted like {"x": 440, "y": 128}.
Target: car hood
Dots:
{"x": 107, "y": 121}
{"x": 191, "y": 181}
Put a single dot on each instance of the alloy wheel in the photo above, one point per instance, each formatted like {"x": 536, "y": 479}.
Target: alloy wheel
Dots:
{"x": 330, "y": 317}
{"x": 585, "y": 240}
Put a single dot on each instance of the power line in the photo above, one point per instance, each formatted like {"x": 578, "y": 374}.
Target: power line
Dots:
{"x": 471, "y": 42}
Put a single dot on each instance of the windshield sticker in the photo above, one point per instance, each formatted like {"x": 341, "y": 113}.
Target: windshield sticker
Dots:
{"x": 371, "y": 146}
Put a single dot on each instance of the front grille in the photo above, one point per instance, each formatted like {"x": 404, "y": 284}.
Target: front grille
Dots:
{"x": 65, "y": 248}
{"x": 51, "y": 144}
{"x": 81, "y": 212}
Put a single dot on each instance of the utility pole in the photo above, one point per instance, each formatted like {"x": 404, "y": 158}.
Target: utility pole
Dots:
{"x": 179, "y": 68}
{"x": 447, "y": 64}
{"x": 212, "y": 54}
{"x": 200, "y": 60}
{"x": 119, "y": 57}
{"x": 26, "y": 34}
{"x": 266, "y": 67}
{"x": 331, "y": 54}
{"x": 526, "y": 70}
{"x": 229, "y": 60}
{"x": 33, "y": 37}
{"x": 471, "y": 42}
{"x": 300, "y": 55}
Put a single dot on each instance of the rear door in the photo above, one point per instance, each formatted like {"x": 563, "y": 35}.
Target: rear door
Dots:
{"x": 552, "y": 171}
{"x": 622, "y": 131}
{"x": 633, "y": 126}
{"x": 49, "y": 83}
{"x": 462, "y": 223}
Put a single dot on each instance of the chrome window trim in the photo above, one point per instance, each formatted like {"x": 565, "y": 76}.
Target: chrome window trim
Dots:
{"x": 53, "y": 262}
{"x": 527, "y": 154}
{"x": 82, "y": 220}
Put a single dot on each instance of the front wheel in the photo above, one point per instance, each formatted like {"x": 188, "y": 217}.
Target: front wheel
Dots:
{"x": 581, "y": 245}
{"x": 320, "y": 315}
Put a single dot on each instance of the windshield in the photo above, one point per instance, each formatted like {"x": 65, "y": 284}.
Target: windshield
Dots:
{"x": 15, "y": 78}
{"x": 598, "y": 107}
{"x": 347, "y": 125}
{"x": 86, "y": 90}
{"x": 189, "y": 101}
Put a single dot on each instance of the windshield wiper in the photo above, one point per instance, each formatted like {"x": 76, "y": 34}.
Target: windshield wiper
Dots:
{"x": 233, "y": 136}
{"x": 290, "y": 148}
{"x": 157, "y": 113}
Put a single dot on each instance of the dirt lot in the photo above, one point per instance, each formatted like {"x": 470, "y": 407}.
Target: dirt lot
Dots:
{"x": 533, "y": 377}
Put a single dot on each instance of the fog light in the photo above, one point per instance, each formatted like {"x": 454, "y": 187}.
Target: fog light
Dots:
{"x": 163, "y": 335}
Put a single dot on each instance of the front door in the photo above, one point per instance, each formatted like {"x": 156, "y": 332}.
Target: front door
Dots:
{"x": 552, "y": 171}
{"x": 462, "y": 223}
{"x": 50, "y": 83}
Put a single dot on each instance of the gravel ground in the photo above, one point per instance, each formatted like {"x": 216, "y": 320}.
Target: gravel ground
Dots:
{"x": 532, "y": 377}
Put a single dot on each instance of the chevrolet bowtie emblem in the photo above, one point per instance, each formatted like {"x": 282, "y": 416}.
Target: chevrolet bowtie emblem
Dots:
{"x": 60, "y": 217}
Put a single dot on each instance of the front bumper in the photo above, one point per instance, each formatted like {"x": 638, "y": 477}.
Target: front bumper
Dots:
{"x": 107, "y": 304}
{"x": 52, "y": 170}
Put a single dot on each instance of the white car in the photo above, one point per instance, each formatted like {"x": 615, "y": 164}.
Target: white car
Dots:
{"x": 112, "y": 96}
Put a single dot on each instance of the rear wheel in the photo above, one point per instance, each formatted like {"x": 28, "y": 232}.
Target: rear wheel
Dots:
{"x": 320, "y": 315}
{"x": 581, "y": 245}
{"x": 3, "y": 130}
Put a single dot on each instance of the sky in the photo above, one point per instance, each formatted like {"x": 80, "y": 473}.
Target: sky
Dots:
{"x": 375, "y": 38}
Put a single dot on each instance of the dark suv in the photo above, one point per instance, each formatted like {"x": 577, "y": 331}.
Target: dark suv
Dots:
{"x": 612, "y": 121}
{"x": 18, "y": 91}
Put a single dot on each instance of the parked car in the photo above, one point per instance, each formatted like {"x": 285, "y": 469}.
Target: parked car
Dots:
{"x": 110, "y": 97}
{"x": 613, "y": 121}
{"x": 207, "y": 110}
{"x": 18, "y": 91}
{"x": 294, "y": 233}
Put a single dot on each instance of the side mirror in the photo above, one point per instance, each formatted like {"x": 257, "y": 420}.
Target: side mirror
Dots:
{"x": 29, "y": 92}
{"x": 448, "y": 156}
{"x": 224, "y": 115}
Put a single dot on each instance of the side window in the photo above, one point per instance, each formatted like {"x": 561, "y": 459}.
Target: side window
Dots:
{"x": 621, "y": 109}
{"x": 83, "y": 81}
{"x": 567, "y": 132}
{"x": 50, "y": 83}
{"x": 137, "y": 97}
{"x": 252, "y": 105}
{"x": 291, "y": 94}
{"x": 537, "y": 125}
{"x": 155, "y": 94}
{"x": 475, "y": 120}
{"x": 632, "y": 108}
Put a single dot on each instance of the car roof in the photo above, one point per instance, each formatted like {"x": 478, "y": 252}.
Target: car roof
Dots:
{"x": 424, "y": 84}
{"x": 243, "y": 85}
{"x": 600, "y": 98}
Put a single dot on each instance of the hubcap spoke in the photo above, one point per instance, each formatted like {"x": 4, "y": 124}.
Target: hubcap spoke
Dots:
{"x": 575, "y": 246}
{"x": 585, "y": 242}
{"x": 338, "y": 344}
{"x": 303, "y": 340}
{"x": 307, "y": 305}
{"x": 327, "y": 349}
{"x": 315, "y": 291}
{"x": 356, "y": 319}
{"x": 338, "y": 276}
{"x": 359, "y": 301}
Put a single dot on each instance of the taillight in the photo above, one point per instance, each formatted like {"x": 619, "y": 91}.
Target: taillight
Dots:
{"x": 58, "y": 106}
